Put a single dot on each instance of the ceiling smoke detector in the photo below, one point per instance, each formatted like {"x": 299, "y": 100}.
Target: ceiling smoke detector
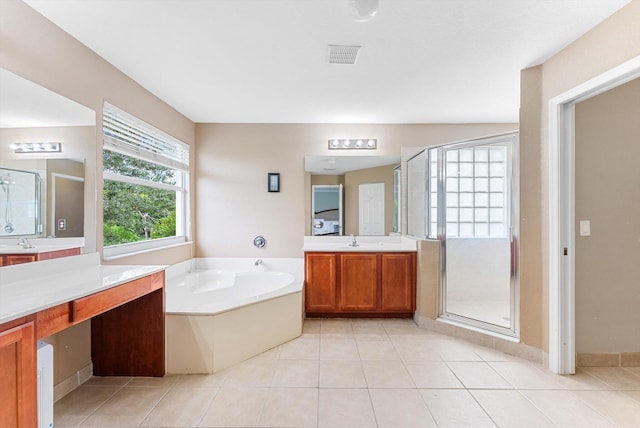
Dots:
{"x": 339, "y": 54}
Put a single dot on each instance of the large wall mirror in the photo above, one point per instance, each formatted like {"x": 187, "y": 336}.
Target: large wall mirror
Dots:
{"x": 42, "y": 194}
{"x": 365, "y": 190}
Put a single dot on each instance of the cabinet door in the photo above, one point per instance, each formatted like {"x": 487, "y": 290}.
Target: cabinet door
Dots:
{"x": 358, "y": 282}
{"x": 398, "y": 282}
{"x": 18, "y": 377}
{"x": 320, "y": 282}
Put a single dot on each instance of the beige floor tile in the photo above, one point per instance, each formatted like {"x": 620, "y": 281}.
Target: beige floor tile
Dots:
{"x": 387, "y": 374}
{"x": 108, "y": 381}
{"x": 345, "y": 408}
{"x": 200, "y": 380}
{"x": 432, "y": 374}
{"x": 403, "y": 327}
{"x": 296, "y": 373}
{"x": 450, "y": 350}
{"x": 341, "y": 374}
{"x": 452, "y": 408}
{"x": 400, "y": 408}
{"x": 235, "y": 407}
{"x": 167, "y": 381}
{"x": 415, "y": 349}
{"x": 129, "y": 406}
{"x": 633, "y": 394}
{"x": 377, "y": 350}
{"x": 510, "y": 409}
{"x": 273, "y": 353}
{"x": 615, "y": 406}
{"x": 581, "y": 380}
{"x": 181, "y": 407}
{"x": 311, "y": 327}
{"x": 338, "y": 349}
{"x": 76, "y": 406}
{"x": 617, "y": 377}
{"x": 478, "y": 375}
{"x": 527, "y": 375}
{"x": 339, "y": 329}
{"x": 488, "y": 355}
{"x": 304, "y": 348}
{"x": 565, "y": 409}
{"x": 290, "y": 407}
{"x": 257, "y": 372}
{"x": 364, "y": 326}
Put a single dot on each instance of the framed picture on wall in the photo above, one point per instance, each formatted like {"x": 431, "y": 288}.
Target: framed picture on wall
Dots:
{"x": 273, "y": 180}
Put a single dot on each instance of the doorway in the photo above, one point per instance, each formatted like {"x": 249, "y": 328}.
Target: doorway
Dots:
{"x": 561, "y": 192}
{"x": 326, "y": 206}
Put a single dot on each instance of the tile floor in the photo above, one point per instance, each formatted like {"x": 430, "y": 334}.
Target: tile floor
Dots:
{"x": 364, "y": 373}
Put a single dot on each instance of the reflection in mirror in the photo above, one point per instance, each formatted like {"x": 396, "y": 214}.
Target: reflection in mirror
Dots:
{"x": 19, "y": 199}
{"x": 368, "y": 191}
{"x": 326, "y": 204}
{"x": 30, "y": 113}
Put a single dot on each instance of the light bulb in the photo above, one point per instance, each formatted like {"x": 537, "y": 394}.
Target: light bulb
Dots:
{"x": 371, "y": 143}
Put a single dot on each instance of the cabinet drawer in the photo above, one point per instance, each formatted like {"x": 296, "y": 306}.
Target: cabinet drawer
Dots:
{"x": 95, "y": 304}
{"x": 53, "y": 320}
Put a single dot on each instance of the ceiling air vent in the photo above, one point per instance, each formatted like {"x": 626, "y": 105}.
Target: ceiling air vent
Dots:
{"x": 343, "y": 54}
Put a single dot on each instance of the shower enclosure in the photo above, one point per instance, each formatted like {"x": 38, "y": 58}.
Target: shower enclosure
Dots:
{"x": 20, "y": 209}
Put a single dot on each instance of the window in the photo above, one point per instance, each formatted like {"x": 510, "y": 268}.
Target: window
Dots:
{"x": 145, "y": 175}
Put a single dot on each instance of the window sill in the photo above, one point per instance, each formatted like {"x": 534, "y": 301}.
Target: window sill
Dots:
{"x": 117, "y": 252}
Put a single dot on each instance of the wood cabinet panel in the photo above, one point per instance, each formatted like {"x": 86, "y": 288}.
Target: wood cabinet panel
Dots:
{"x": 129, "y": 340}
{"x": 15, "y": 259}
{"x": 362, "y": 284}
{"x": 320, "y": 282}
{"x": 358, "y": 282}
{"x": 18, "y": 406}
{"x": 57, "y": 254}
{"x": 53, "y": 320}
{"x": 398, "y": 282}
{"x": 96, "y": 304}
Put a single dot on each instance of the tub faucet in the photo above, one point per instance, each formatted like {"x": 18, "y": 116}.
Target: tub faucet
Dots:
{"x": 354, "y": 243}
{"x": 257, "y": 262}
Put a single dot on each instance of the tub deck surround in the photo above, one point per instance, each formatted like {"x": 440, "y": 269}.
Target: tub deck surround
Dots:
{"x": 221, "y": 311}
{"x": 377, "y": 244}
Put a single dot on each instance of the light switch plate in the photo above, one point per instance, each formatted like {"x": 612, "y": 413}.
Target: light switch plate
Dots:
{"x": 585, "y": 228}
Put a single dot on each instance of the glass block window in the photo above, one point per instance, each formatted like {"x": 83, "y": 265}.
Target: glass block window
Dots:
{"x": 476, "y": 196}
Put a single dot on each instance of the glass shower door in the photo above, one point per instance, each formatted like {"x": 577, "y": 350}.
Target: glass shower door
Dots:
{"x": 477, "y": 219}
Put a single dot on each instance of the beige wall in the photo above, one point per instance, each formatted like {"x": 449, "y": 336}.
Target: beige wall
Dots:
{"x": 34, "y": 48}
{"x": 608, "y": 195}
{"x": 613, "y": 42}
{"x": 382, "y": 174}
{"x": 232, "y": 162}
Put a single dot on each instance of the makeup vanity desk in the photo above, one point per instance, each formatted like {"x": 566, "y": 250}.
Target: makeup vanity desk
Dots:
{"x": 125, "y": 305}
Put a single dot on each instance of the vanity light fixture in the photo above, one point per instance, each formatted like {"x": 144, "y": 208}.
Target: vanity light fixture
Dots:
{"x": 48, "y": 147}
{"x": 353, "y": 144}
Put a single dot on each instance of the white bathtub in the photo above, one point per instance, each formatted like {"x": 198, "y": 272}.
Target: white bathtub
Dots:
{"x": 221, "y": 311}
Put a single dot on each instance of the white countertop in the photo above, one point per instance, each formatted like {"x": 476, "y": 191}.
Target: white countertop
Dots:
{"x": 31, "y": 287}
{"x": 374, "y": 244}
{"x": 40, "y": 245}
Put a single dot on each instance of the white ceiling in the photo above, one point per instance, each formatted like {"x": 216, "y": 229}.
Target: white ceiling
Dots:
{"x": 264, "y": 61}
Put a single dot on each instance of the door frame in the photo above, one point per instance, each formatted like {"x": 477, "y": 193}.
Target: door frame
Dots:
{"x": 561, "y": 199}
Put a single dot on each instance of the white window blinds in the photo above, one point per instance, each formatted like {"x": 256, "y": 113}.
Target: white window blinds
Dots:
{"x": 126, "y": 134}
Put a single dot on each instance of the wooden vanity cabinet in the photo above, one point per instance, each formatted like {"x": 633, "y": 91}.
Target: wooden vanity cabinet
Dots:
{"x": 18, "y": 374}
{"x": 360, "y": 284}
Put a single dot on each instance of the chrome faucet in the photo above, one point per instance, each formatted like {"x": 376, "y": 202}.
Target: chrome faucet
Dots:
{"x": 257, "y": 262}
{"x": 354, "y": 243}
{"x": 24, "y": 243}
